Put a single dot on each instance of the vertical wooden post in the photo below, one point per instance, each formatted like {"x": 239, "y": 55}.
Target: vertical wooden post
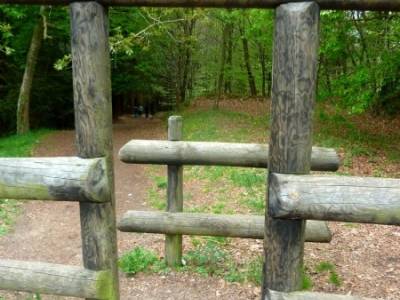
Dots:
{"x": 93, "y": 124}
{"x": 173, "y": 243}
{"x": 293, "y": 96}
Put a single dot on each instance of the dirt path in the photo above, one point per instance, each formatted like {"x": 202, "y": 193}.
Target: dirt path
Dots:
{"x": 50, "y": 232}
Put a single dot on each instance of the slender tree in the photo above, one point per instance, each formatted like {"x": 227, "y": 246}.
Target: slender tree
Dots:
{"x": 246, "y": 57}
{"x": 24, "y": 98}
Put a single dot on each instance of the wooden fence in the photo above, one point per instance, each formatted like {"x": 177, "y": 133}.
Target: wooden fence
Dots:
{"x": 294, "y": 198}
{"x": 176, "y": 153}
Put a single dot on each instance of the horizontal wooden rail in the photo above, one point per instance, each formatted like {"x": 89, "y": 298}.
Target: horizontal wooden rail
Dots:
{"x": 393, "y": 5}
{"x": 335, "y": 198}
{"x": 53, "y": 279}
{"x": 213, "y": 153}
{"x": 273, "y": 295}
{"x": 242, "y": 226}
{"x": 61, "y": 178}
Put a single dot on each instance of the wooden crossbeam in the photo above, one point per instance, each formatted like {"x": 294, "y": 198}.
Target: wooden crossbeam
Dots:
{"x": 379, "y": 5}
{"x": 242, "y": 226}
{"x": 58, "y": 178}
{"x": 335, "y": 198}
{"x": 274, "y": 295}
{"x": 214, "y": 153}
{"x": 54, "y": 279}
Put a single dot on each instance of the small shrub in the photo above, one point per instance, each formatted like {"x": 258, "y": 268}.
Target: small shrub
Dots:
{"x": 138, "y": 260}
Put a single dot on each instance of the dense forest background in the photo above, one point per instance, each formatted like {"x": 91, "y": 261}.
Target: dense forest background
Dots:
{"x": 170, "y": 57}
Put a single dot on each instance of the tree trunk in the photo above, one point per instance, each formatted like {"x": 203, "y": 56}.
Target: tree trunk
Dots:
{"x": 228, "y": 77}
{"x": 24, "y": 98}
{"x": 188, "y": 27}
{"x": 246, "y": 56}
{"x": 261, "y": 50}
{"x": 221, "y": 75}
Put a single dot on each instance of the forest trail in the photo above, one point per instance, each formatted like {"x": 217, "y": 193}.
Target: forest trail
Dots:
{"x": 50, "y": 232}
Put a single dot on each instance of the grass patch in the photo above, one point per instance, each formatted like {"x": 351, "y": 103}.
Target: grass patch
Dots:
{"x": 21, "y": 145}
{"x": 306, "y": 282}
{"x": 157, "y": 198}
{"x": 210, "y": 258}
{"x": 325, "y": 266}
{"x": 223, "y": 125}
{"x": 9, "y": 209}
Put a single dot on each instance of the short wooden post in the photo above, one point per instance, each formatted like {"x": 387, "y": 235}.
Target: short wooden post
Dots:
{"x": 293, "y": 96}
{"x": 173, "y": 243}
{"x": 93, "y": 124}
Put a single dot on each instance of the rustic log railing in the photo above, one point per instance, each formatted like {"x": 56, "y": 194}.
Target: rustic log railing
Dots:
{"x": 89, "y": 179}
{"x": 215, "y": 154}
{"x": 176, "y": 153}
{"x": 59, "y": 178}
{"x": 335, "y": 198}
{"x": 54, "y": 279}
{"x": 240, "y": 226}
{"x": 274, "y": 295}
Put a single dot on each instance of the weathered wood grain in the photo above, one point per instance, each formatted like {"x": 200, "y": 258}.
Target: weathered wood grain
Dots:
{"x": 173, "y": 243}
{"x": 60, "y": 178}
{"x": 293, "y": 95}
{"x": 214, "y": 153}
{"x": 93, "y": 123}
{"x": 241, "y": 226}
{"x": 336, "y": 198}
{"x": 52, "y": 279}
{"x": 393, "y": 5}
{"x": 274, "y": 295}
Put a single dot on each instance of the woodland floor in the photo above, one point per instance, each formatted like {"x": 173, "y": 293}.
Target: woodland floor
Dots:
{"x": 366, "y": 257}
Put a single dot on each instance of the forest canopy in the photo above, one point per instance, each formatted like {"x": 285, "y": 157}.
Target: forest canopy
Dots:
{"x": 173, "y": 56}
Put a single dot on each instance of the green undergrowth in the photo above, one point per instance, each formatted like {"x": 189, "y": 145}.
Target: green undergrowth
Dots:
{"x": 337, "y": 130}
{"x": 207, "y": 258}
{"x": 16, "y": 146}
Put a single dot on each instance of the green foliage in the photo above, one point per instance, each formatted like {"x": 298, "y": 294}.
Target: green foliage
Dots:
{"x": 360, "y": 60}
{"x": 137, "y": 260}
{"x": 306, "y": 282}
{"x": 207, "y": 259}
